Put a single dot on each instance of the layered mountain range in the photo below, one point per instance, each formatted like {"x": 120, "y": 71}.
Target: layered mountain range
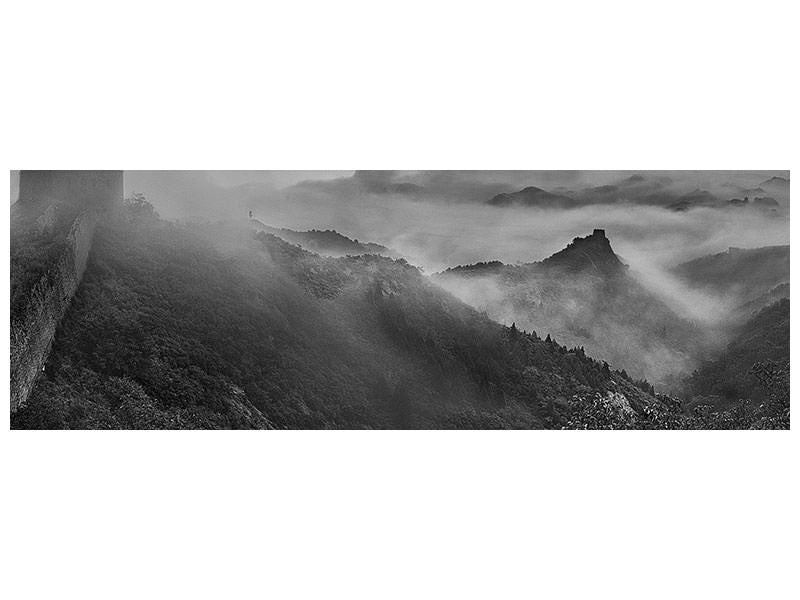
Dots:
{"x": 652, "y": 190}
{"x": 243, "y": 325}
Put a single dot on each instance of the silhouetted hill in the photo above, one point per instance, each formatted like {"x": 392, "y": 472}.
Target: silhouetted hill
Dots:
{"x": 776, "y": 188}
{"x": 744, "y": 273}
{"x": 531, "y": 196}
{"x": 696, "y": 199}
{"x": 636, "y": 189}
{"x": 590, "y": 253}
{"x": 585, "y": 296}
{"x": 776, "y": 182}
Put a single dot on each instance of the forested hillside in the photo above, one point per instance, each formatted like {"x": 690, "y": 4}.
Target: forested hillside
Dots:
{"x": 214, "y": 327}
{"x": 731, "y": 376}
{"x": 327, "y": 242}
{"x": 744, "y": 274}
{"x": 584, "y": 295}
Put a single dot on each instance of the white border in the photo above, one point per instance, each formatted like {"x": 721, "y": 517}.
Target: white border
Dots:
{"x": 313, "y": 85}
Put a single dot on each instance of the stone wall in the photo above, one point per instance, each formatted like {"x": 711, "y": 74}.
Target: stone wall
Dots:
{"x": 86, "y": 188}
{"x": 33, "y": 328}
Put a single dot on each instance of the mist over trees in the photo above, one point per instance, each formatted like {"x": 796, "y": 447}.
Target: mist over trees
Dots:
{"x": 399, "y": 299}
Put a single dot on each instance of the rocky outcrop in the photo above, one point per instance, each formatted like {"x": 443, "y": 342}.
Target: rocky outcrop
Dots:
{"x": 592, "y": 253}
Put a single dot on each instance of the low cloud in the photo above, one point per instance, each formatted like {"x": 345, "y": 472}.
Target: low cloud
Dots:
{"x": 439, "y": 228}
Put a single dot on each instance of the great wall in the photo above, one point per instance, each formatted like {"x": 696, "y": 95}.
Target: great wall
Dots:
{"x": 57, "y": 212}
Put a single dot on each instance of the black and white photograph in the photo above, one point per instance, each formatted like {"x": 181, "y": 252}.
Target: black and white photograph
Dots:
{"x": 374, "y": 300}
{"x": 400, "y": 300}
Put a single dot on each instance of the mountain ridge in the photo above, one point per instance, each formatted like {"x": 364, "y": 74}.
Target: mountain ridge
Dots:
{"x": 592, "y": 252}
{"x": 529, "y": 196}
{"x": 328, "y": 242}
{"x": 198, "y": 326}
{"x": 748, "y": 272}
{"x": 584, "y": 295}
{"x": 589, "y": 253}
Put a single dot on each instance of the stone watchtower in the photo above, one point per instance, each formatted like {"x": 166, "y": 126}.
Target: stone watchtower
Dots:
{"x": 40, "y": 301}
{"x": 90, "y": 189}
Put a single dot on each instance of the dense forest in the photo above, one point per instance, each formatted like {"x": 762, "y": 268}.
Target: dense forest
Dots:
{"x": 585, "y": 295}
{"x": 170, "y": 329}
{"x": 327, "y": 242}
{"x": 222, "y": 326}
{"x": 729, "y": 376}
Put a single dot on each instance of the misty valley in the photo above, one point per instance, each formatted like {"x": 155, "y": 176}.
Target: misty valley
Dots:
{"x": 400, "y": 300}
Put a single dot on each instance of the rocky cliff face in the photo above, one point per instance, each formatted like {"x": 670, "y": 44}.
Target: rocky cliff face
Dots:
{"x": 54, "y": 269}
{"x": 592, "y": 253}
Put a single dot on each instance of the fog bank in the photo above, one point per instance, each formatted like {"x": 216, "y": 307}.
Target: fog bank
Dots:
{"x": 438, "y": 219}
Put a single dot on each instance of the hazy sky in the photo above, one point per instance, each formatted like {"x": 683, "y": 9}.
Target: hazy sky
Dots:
{"x": 440, "y": 219}
{"x": 181, "y": 180}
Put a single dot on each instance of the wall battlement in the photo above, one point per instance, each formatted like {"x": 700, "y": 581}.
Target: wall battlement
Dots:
{"x": 85, "y": 188}
{"x": 34, "y": 322}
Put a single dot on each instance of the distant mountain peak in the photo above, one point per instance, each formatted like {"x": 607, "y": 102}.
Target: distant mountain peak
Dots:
{"x": 694, "y": 199}
{"x": 777, "y": 187}
{"x": 530, "y": 196}
{"x": 590, "y": 253}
